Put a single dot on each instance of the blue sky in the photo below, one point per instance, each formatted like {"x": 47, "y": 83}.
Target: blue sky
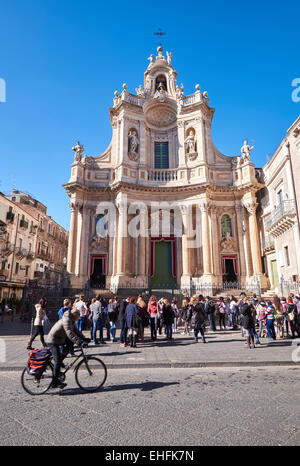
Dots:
{"x": 62, "y": 61}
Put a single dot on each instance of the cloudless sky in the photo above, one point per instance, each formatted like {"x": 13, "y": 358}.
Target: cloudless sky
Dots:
{"x": 62, "y": 60}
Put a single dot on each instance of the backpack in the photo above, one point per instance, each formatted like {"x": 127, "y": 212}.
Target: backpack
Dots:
{"x": 291, "y": 307}
{"x": 38, "y": 361}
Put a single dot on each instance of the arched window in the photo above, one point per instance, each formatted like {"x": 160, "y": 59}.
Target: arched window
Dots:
{"x": 226, "y": 225}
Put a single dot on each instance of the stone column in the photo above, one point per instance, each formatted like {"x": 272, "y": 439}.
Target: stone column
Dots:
{"x": 254, "y": 237}
{"x": 72, "y": 239}
{"x": 206, "y": 243}
{"x": 215, "y": 243}
{"x": 121, "y": 238}
{"x": 239, "y": 208}
{"x": 84, "y": 243}
{"x": 80, "y": 226}
{"x": 186, "y": 269}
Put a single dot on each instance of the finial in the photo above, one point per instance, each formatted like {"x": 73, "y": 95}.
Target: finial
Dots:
{"x": 124, "y": 86}
{"x": 197, "y": 87}
{"x": 116, "y": 93}
{"x": 205, "y": 94}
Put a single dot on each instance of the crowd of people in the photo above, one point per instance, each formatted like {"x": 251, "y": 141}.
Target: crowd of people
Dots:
{"x": 255, "y": 318}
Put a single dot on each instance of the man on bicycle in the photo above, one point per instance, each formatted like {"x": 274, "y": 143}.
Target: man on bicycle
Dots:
{"x": 64, "y": 329}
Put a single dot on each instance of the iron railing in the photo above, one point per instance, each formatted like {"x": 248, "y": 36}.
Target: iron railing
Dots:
{"x": 284, "y": 208}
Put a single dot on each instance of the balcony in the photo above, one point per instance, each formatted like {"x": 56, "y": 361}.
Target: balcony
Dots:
{"x": 268, "y": 245}
{"x": 4, "y": 274}
{"x": 7, "y": 249}
{"x": 162, "y": 175}
{"x": 10, "y": 217}
{"x": 282, "y": 218}
{"x": 30, "y": 255}
{"x": 37, "y": 274}
{"x": 23, "y": 224}
{"x": 32, "y": 230}
{"x": 21, "y": 252}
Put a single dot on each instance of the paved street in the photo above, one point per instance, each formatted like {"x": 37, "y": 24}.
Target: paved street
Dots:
{"x": 249, "y": 406}
{"x": 222, "y": 348}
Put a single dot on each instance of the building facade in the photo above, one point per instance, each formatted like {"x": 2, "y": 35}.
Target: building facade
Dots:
{"x": 280, "y": 234}
{"x": 30, "y": 242}
{"x": 162, "y": 206}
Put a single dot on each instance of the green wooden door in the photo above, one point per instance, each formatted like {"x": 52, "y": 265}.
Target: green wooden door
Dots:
{"x": 163, "y": 276}
{"x": 275, "y": 273}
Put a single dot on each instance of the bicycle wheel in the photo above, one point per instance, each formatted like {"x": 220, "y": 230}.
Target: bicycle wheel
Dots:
{"x": 37, "y": 386}
{"x": 90, "y": 374}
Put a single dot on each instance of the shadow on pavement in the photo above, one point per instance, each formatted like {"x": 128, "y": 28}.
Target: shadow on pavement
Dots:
{"x": 143, "y": 386}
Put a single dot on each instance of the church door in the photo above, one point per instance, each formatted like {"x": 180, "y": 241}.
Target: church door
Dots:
{"x": 98, "y": 271}
{"x": 162, "y": 266}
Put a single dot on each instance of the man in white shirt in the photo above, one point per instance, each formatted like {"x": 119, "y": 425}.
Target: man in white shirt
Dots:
{"x": 81, "y": 307}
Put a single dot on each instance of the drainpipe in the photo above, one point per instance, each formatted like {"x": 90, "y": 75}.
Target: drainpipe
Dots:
{"x": 13, "y": 258}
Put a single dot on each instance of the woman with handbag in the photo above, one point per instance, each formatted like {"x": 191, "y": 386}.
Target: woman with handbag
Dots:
{"x": 142, "y": 317}
{"x": 38, "y": 323}
{"x": 152, "y": 310}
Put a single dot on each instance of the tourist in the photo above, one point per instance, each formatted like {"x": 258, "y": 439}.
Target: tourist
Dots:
{"x": 67, "y": 306}
{"x": 168, "y": 315}
{"x": 122, "y": 320}
{"x": 131, "y": 314}
{"x": 262, "y": 317}
{"x": 228, "y": 311}
{"x": 279, "y": 316}
{"x": 142, "y": 317}
{"x": 286, "y": 316}
{"x": 234, "y": 312}
{"x": 152, "y": 310}
{"x": 98, "y": 317}
{"x": 176, "y": 313}
{"x": 222, "y": 312}
{"x": 184, "y": 316}
{"x": 159, "y": 318}
{"x": 197, "y": 318}
{"x": 38, "y": 323}
{"x": 210, "y": 311}
{"x": 270, "y": 319}
{"x": 112, "y": 313}
{"x": 246, "y": 311}
{"x": 82, "y": 308}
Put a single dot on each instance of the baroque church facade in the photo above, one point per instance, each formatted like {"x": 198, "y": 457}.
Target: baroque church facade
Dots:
{"x": 162, "y": 157}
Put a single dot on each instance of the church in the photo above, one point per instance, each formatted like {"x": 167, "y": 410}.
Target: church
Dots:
{"x": 162, "y": 207}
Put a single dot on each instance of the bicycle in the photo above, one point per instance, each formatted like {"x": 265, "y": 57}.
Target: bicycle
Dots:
{"x": 89, "y": 370}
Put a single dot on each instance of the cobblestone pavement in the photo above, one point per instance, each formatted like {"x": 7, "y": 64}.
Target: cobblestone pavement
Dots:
{"x": 224, "y": 406}
{"x": 223, "y": 347}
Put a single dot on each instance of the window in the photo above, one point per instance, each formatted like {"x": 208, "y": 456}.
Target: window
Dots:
{"x": 161, "y": 155}
{"x": 286, "y": 255}
{"x": 27, "y": 270}
{"x": 17, "y": 268}
{"x": 226, "y": 225}
{"x": 100, "y": 226}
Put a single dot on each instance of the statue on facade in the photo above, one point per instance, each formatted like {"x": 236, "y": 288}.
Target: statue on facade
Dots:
{"x": 245, "y": 151}
{"x": 190, "y": 143}
{"x": 78, "y": 149}
{"x": 228, "y": 243}
{"x": 140, "y": 91}
{"x": 169, "y": 57}
{"x": 179, "y": 92}
{"x": 133, "y": 142}
{"x": 151, "y": 58}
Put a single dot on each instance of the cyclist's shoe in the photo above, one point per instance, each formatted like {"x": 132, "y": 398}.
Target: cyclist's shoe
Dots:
{"x": 58, "y": 384}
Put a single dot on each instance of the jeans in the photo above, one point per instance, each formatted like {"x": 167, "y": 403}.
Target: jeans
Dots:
{"x": 270, "y": 329}
{"x": 113, "y": 330}
{"x": 261, "y": 326}
{"x": 57, "y": 358}
{"x": 286, "y": 325}
{"x": 175, "y": 324}
{"x": 169, "y": 330}
{"x": 97, "y": 325}
{"x": 222, "y": 320}
{"x": 153, "y": 329}
{"x": 229, "y": 320}
{"x": 80, "y": 323}
{"x": 212, "y": 322}
{"x": 256, "y": 336}
{"x": 38, "y": 330}
{"x": 124, "y": 330}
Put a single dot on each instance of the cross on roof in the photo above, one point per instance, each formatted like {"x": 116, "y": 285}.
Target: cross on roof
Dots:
{"x": 159, "y": 33}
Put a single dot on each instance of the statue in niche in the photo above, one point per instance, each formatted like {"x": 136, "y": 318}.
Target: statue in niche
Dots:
{"x": 190, "y": 143}
{"x": 245, "y": 151}
{"x": 78, "y": 149}
{"x": 133, "y": 141}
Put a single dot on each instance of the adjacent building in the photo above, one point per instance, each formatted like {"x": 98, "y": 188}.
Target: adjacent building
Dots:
{"x": 30, "y": 242}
